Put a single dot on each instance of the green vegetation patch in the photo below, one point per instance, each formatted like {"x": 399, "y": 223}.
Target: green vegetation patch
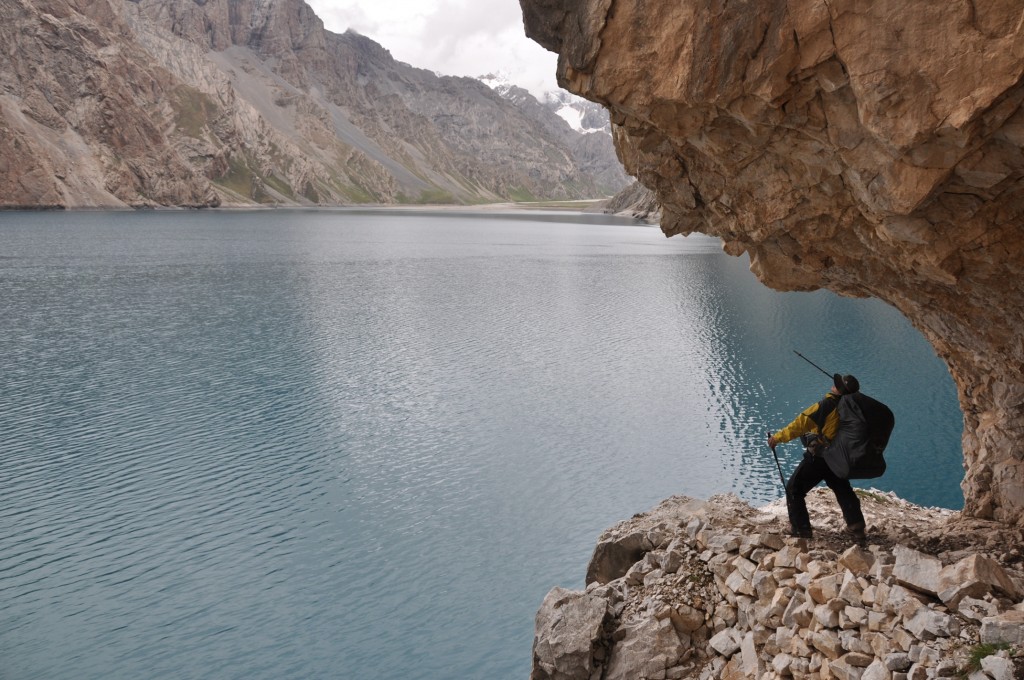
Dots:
{"x": 436, "y": 197}
{"x": 356, "y": 193}
{"x": 871, "y": 495}
{"x": 310, "y": 192}
{"x": 244, "y": 179}
{"x": 193, "y": 111}
{"x": 522, "y": 195}
{"x": 979, "y": 652}
{"x": 280, "y": 185}
{"x": 239, "y": 178}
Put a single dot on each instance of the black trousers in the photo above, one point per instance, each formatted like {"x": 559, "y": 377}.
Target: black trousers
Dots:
{"x": 811, "y": 471}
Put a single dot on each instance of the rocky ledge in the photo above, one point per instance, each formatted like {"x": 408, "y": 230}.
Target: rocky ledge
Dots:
{"x": 716, "y": 589}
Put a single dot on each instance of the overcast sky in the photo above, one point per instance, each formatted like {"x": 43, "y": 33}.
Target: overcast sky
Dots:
{"x": 452, "y": 37}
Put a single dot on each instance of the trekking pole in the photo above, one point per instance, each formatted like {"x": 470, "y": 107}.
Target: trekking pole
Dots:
{"x": 778, "y": 465}
{"x": 812, "y": 363}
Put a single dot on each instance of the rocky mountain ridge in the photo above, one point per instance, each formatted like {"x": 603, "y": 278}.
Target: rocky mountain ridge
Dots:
{"x": 113, "y": 103}
{"x": 875, "y": 149}
{"x": 582, "y": 126}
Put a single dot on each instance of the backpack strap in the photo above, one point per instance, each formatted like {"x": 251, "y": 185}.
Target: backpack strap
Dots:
{"x": 816, "y": 443}
{"x": 825, "y": 408}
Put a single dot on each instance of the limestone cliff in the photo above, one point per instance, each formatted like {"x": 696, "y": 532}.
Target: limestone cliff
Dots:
{"x": 636, "y": 201}
{"x": 240, "y": 102}
{"x": 872, "y": 148}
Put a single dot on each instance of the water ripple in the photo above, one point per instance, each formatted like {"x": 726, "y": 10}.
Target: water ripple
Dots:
{"x": 305, "y": 445}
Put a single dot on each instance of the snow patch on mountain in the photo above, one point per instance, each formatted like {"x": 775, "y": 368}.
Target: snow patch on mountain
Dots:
{"x": 581, "y": 115}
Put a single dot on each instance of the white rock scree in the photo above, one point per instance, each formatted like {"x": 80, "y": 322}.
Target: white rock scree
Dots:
{"x": 715, "y": 589}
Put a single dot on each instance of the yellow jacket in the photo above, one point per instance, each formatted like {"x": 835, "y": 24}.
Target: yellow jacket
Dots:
{"x": 805, "y": 422}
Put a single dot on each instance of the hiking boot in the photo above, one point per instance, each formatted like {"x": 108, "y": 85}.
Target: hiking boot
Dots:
{"x": 857, "y": 531}
{"x": 803, "y": 532}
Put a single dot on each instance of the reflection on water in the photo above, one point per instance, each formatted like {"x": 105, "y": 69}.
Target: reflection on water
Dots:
{"x": 364, "y": 444}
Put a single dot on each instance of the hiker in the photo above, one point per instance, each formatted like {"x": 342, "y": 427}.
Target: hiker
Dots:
{"x": 816, "y": 426}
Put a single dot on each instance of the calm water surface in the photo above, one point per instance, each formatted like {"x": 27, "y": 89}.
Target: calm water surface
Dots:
{"x": 365, "y": 444}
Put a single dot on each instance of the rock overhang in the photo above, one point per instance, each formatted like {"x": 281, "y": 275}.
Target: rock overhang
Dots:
{"x": 874, "y": 149}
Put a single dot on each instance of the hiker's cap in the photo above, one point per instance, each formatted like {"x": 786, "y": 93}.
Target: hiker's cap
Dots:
{"x": 846, "y": 384}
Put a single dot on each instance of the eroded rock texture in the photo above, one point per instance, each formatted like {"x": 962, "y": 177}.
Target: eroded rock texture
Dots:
{"x": 872, "y": 148}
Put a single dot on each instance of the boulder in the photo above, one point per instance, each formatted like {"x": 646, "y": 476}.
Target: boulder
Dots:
{"x": 928, "y": 624}
{"x": 858, "y": 560}
{"x": 977, "y": 569}
{"x": 646, "y": 650}
{"x": 568, "y": 631}
{"x": 843, "y": 669}
{"x": 1006, "y": 628}
{"x": 876, "y": 671}
{"x": 917, "y": 570}
{"x": 998, "y": 667}
{"x": 625, "y": 544}
{"x": 976, "y": 610}
{"x": 726, "y": 642}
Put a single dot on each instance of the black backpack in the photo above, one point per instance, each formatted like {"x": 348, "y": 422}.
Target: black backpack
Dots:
{"x": 863, "y": 433}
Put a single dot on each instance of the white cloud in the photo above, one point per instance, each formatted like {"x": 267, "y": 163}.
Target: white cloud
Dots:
{"x": 452, "y": 37}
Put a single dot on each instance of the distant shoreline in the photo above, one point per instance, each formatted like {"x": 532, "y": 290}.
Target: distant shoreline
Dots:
{"x": 585, "y": 205}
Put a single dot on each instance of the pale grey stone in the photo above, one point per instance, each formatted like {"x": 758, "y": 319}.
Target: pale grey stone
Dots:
{"x": 898, "y": 661}
{"x": 857, "y": 560}
{"x": 787, "y": 556}
{"x": 897, "y": 598}
{"x": 855, "y": 617}
{"x": 782, "y": 663}
{"x": 764, "y": 584}
{"x": 928, "y": 624}
{"x": 685, "y": 618}
{"x": 726, "y": 642}
{"x": 876, "y": 671}
{"x": 850, "y": 590}
{"x": 826, "y": 616}
{"x": 952, "y": 596}
{"x": 843, "y": 669}
{"x": 752, "y": 664}
{"x": 917, "y": 570}
{"x": 976, "y": 610}
{"x": 827, "y": 642}
{"x": 798, "y": 611}
{"x": 738, "y": 584}
{"x": 626, "y": 544}
{"x": 647, "y": 649}
{"x": 723, "y": 543}
{"x": 997, "y": 667}
{"x": 568, "y": 627}
{"x": 981, "y": 569}
{"x": 1006, "y": 628}
{"x": 853, "y": 641}
{"x": 772, "y": 541}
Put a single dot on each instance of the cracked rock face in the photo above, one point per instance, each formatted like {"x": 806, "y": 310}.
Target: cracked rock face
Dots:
{"x": 872, "y": 148}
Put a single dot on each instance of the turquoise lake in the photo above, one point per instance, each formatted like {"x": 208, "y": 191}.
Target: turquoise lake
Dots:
{"x": 364, "y": 444}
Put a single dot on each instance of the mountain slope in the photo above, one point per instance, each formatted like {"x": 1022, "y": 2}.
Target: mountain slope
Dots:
{"x": 582, "y": 126}
{"x": 182, "y": 102}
